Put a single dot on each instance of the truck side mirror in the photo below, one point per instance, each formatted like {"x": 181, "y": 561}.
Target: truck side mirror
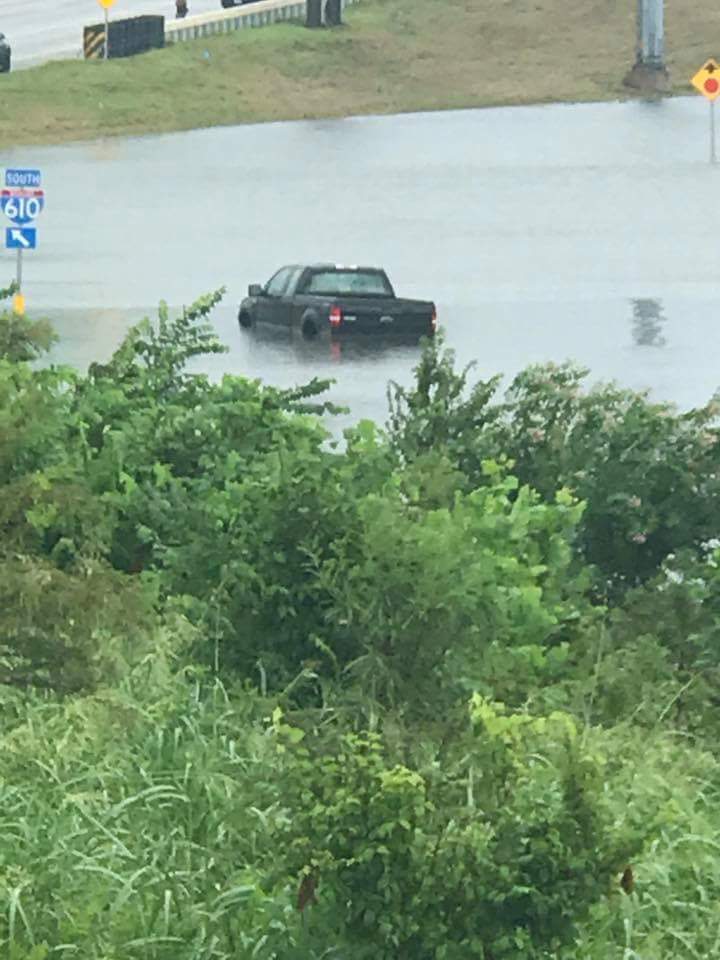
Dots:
{"x": 255, "y": 290}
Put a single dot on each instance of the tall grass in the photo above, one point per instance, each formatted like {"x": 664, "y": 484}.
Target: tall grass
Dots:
{"x": 138, "y": 823}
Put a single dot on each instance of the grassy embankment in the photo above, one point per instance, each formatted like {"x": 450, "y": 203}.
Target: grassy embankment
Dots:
{"x": 391, "y": 56}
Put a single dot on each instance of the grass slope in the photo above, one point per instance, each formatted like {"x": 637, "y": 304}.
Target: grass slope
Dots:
{"x": 391, "y": 56}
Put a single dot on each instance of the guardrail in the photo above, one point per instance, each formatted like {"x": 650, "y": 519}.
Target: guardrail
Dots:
{"x": 236, "y": 18}
{"x": 126, "y": 37}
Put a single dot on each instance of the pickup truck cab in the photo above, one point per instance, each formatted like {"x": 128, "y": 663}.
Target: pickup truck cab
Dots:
{"x": 333, "y": 299}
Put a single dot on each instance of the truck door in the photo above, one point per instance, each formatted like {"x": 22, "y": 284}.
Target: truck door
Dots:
{"x": 273, "y": 307}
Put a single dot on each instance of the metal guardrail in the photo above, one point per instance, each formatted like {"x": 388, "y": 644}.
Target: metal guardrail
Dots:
{"x": 236, "y": 18}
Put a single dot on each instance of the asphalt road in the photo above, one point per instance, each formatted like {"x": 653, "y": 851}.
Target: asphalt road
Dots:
{"x": 40, "y": 30}
{"x": 543, "y": 233}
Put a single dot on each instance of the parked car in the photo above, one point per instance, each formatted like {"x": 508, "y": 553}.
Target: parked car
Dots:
{"x": 5, "y": 54}
{"x": 334, "y": 299}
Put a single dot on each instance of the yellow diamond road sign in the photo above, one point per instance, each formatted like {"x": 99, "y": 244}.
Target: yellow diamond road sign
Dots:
{"x": 707, "y": 80}
{"x": 106, "y": 3}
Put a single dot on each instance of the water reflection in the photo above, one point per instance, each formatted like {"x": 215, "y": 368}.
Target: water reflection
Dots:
{"x": 647, "y": 322}
{"x": 353, "y": 350}
{"x": 359, "y": 368}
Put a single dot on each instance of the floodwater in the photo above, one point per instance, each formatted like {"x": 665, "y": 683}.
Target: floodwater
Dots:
{"x": 543, "y": 233}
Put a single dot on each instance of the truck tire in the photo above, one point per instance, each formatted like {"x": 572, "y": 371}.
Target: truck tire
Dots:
{"x": 245, "y": 320}
{"x": 309, "y": 328}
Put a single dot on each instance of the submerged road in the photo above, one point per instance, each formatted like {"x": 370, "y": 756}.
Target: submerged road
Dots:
{"x": 543, "y": 233}
{"x": 40, "y": 30}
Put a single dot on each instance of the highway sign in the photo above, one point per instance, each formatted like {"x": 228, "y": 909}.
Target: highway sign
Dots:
{"x": 22, "y": 201}
{"x": 23, "y": 178}
{"x": 22, "y": 206}
{"x": 707, "y": 80}
{"x": 20, "y": 238}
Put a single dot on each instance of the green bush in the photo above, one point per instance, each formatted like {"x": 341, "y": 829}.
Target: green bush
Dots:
{"x": 236, "y": 664}
{"x": 423, "y": 599}
{"x": 446, "y": 867}
{"x": 22, "y": 339}
{"x": 648, "y": 475}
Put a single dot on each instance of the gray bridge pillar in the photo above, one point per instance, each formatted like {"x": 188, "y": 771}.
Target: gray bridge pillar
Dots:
{"x": 649, "y": 71}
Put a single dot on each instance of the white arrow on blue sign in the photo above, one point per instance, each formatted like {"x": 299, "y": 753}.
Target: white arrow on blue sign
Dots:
{"x": 20, "y": 238}
{"x": 23, "y": 178}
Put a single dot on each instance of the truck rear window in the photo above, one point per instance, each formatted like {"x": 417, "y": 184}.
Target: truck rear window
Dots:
{"x": 348, "y": 283}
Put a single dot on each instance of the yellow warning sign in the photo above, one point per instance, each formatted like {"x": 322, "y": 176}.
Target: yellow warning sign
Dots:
{"x": 707, "y": 80}
{"x": 19, "y": 304}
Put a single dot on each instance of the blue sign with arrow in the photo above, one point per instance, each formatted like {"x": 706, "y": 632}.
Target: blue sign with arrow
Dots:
{"x": 22, "y": 201}
{"x": 20, "y": 238}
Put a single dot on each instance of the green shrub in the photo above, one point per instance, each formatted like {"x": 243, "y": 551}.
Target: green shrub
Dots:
{"x": 68, "y": 630}
{"x": 493, "y": 847}
{"x": 22, "y": 339}
{"x": 160, "y": 532}
{"x": 648, "y": 475}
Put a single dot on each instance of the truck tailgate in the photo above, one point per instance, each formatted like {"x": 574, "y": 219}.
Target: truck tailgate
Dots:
{"x": 380, "y": 316}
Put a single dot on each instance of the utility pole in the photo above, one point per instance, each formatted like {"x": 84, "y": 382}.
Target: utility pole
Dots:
{"x": 649, "y": 71}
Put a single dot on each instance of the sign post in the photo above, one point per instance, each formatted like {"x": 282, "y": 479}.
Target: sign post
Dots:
{"x": 707, "y": 82}
{"x": 106, "y": 4}
{"x": 19, "y": 299}
{"x": 22, "y": 201}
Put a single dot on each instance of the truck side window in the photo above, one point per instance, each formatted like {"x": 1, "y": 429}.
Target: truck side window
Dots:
{"x": 278, "y": 282}
{"x": 295, "y": 275}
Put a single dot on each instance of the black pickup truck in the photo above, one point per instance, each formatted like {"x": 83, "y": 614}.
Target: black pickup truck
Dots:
{"x": 328, "y": 298}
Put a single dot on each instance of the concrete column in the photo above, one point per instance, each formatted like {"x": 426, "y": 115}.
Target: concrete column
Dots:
{"x": 651, "y": 33}
{"x": 649, "y": 72}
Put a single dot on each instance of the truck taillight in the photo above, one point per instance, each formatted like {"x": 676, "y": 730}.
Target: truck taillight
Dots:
{"x": 433, "y": 321}
{"x": 335, "y": 316}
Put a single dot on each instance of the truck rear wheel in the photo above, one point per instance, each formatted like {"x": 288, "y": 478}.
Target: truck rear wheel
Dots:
{"x": 309, "y": 329}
